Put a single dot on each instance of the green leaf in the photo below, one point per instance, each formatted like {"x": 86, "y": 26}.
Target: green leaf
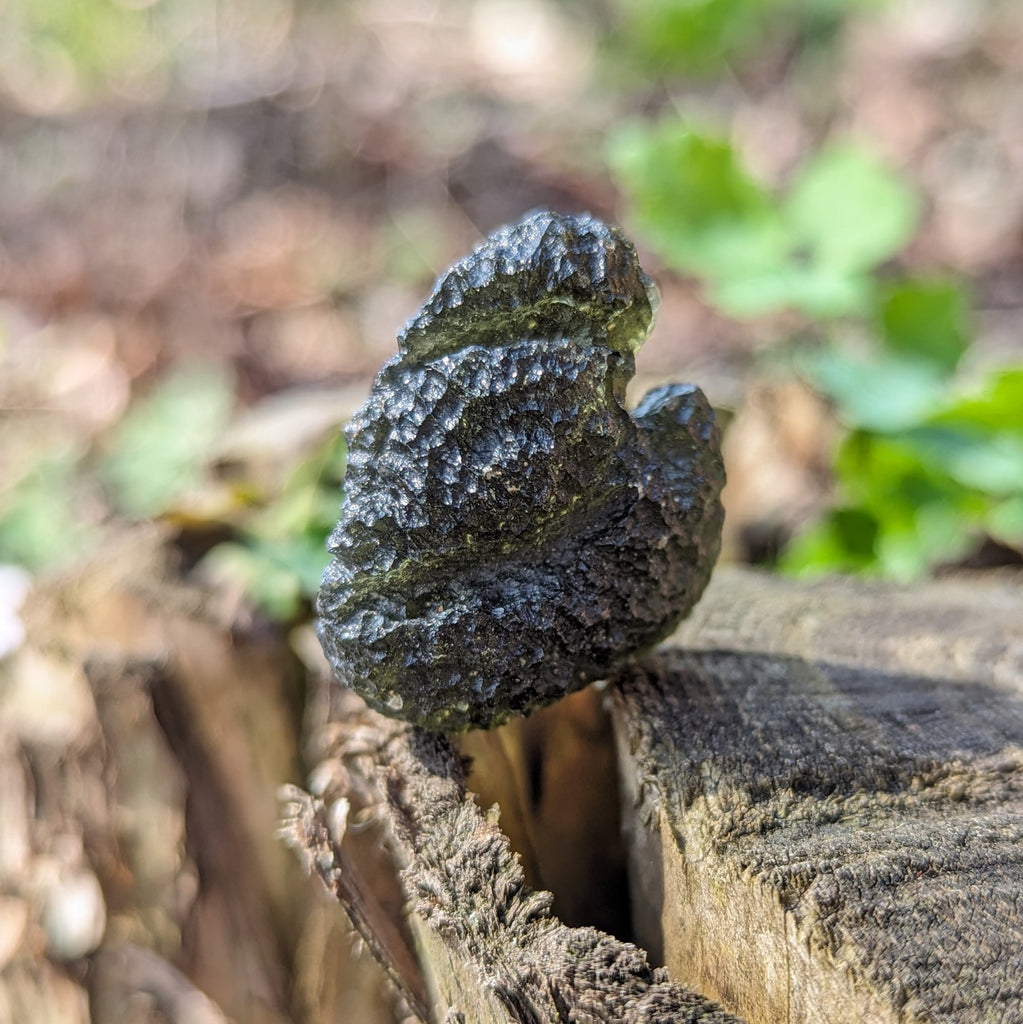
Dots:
{"x": 815, "y": 290}
{"x": 1005, "y": 521}
{"x": 926, "y": 320}
{"x": 309, "y": 499}
{"x": 277, "y": 575}
{"x": 987, "y": 462}
{"x": 945, "y": 530}
{"x": 690, "y": 36}
{"x": 849, "y": 210}
{"x": 158, "y": 452}
{"x": 40, "y": 524}
{"x": 697, "y": 37}
{"x": 99, "y": 37}
{"x": 694, "y": 202}
{"x": 901, "y": 516}
{"x": 885, "y": 393}
{"x": 844, "y": 541}
{"x": 996, "y": 405}
{"x": 887, "y": 475}
{"x": 901, "y": 555}
{"x": 937, "y": 531}
{"x": 269, "y": 584}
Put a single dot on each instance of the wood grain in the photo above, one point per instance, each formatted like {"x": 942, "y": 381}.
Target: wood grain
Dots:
{"x": 491, "y": 950}
{"x": 824, "y": 800}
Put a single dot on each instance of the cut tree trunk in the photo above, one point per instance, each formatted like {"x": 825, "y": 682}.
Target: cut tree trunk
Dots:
{"x": 822, "y": 792}
{"x": 813, "y": 794}
{"x": 489, "y": 947}
{"x": 825, "y": 800}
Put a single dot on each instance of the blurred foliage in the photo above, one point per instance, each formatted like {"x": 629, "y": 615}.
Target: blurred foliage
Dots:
{"x": 60, "y": 54}
{"x": 41, "y": 520}
{"x": 95, "y": 38}
{"x": 702, "y": 37}
{"x": 158, "y": 452}
{"x": 921, "y": 494}
{"x": 159, "y": 464}
{"x": 931, "y": 457}
{"x": 160, "y": 461}
{"x": 811, "y": 250}
{"x": 280, "y": 552}
{"x": 932, "y": 461}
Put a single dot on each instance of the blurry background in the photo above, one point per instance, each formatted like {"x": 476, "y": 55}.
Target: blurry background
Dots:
{"x": 214, "y": 217}
{"x": 212, "y": 209}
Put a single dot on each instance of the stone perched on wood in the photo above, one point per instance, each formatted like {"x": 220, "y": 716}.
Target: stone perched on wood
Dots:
{"x": 509, "y": 531}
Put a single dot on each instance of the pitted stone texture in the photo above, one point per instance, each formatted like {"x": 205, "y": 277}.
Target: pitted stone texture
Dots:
{"x": 509, "y": 532}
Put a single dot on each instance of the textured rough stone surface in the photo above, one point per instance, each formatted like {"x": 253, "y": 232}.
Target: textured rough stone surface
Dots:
{"x": 509, "y": 532}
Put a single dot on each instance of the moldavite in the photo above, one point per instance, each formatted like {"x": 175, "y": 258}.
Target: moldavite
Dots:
{"x": 509, "y": 532}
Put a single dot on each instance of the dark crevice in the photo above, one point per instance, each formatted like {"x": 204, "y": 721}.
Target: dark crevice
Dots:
{"x": 554, "y": 776}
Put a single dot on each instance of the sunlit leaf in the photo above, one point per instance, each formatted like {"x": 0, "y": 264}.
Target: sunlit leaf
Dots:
{"x": 845, "y": 541}
{"x": 884, "y": 473}
{"x": 692, "y": 199}
{"x": 850, "y": 210}
{"x": 698, "y": 37}
{"x": 815, "y": 290}
{"x": 277, "y": 575}
{"x": 926, "y": 320}
{"x": 40, "y": 525}
{"x": 159, "y": 450}
{"x": 995, "y": 405}
{"x": 944, "y": 531}
{"x": 690, "y": 36}
{"x": 280, "y": 552}
{"x": 1005, "y": 521}
{"x": 989, "y": 462}
{"x": 884, "y": 393}
{"x": 901, "y": 555}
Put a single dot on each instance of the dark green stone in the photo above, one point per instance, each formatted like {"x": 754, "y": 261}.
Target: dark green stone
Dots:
{"x": 509, "y": 532}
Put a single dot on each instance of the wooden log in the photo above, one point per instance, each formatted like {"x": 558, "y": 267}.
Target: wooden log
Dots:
{"x": 823, "y": 791}
{"x": 490, "y": 949}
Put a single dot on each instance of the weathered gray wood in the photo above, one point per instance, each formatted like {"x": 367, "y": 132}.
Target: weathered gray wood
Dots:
{"x": 824, "y": 800}
{"x": 491, "y": 950}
